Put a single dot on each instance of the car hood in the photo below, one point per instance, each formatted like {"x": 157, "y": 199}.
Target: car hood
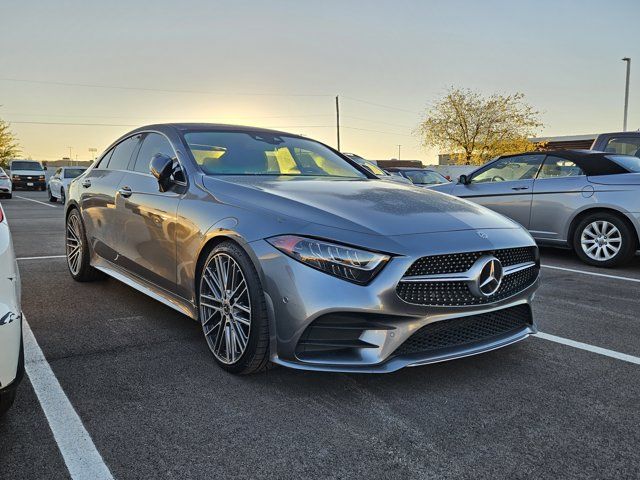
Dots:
{"x": 366, "y": 206}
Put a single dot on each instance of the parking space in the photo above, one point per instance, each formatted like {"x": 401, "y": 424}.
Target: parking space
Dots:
{"x": 155, "y": 405}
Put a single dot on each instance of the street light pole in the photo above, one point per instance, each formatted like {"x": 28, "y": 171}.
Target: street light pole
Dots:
{"x": 399, "y": 151}
{"x": 626, "y": 93}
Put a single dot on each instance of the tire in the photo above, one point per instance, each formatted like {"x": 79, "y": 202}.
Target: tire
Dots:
{"x": 8, "y": 396}
{"x": 79, "y": 263}
{"x": 10, "y": 196}
{"x": 6, "y": 401}
{"x": 236, "y": 316}
{"x": 604, "y": 240}
{"x": 63, "y": 198}
{"x": 51, "y": 197}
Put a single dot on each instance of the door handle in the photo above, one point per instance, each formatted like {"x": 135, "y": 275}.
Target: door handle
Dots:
{"x": 86, "y": 183}
{"x": 125, "y": 191}
{"x": 520, "y": 188}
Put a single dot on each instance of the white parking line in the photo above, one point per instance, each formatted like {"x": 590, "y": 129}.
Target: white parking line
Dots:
{"x": 77, "y": 449}
{"x": 589, "y": 348}
{"x": 595, "y": 274}
{"x": 47, "y": 257}
{"x": 41, "y": 258}
{"x": 37, "y": 201}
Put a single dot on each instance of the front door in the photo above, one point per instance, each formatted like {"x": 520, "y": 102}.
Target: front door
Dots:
{"x": 505, "y": 186}
{"x": 146, "y": 218}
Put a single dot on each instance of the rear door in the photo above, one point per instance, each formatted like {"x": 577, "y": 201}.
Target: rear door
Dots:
{"x": 559, "y": 190}
{"x": 146, "y": 218}
{"x": 98, "y": 190}
{"x": 505, "y": 186}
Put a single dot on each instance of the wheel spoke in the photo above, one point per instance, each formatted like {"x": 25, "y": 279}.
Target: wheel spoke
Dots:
{"x": 225, "y": 308}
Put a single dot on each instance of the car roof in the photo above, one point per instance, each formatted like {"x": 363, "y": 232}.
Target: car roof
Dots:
{"x": 592, "y": 162}
{"x": 397, "y": 169}
{"x": 221, "y": 127}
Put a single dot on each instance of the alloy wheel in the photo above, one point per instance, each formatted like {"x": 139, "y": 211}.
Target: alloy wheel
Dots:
{"x": 601, "y": 240}
{"x": 225, "y": 308}
{"x": 74, "y": 244}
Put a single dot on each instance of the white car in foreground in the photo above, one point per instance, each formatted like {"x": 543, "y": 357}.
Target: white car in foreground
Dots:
{"x": 59, "y": 182}
{"x": 6, "y": 187}
{"x": 11, "y": 350}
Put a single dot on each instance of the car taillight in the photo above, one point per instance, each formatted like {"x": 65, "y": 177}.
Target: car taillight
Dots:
{"x": 41, "y": 177}
{"x": 1, "y": 215}
{"x": 2, "y": 175}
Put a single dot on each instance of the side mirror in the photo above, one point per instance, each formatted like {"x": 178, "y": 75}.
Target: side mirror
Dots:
{"x": 161, "y": 167}
{"x": 464, "y": 180}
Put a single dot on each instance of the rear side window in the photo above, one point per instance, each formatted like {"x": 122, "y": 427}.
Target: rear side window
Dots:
{"x": 555, "y": 167}
{"x": 624, "y": 146}
{"x": 152, "y": 144}
{"x": 122, "y": 154}
{"x": 630, "y": 163}
{"x": 73, "y": 172}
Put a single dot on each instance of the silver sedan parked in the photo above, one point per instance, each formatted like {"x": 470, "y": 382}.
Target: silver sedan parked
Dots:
{"x": 586, "y": 200}
{"x": 286, "y": 251}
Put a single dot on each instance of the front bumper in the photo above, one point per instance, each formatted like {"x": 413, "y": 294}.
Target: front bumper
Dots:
{"x": 26, "y": 183}
{"x": 299, "y": 296}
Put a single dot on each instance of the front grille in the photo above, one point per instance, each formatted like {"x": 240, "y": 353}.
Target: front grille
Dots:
{"x": 457, "y": 293}
{"x": 461, "y": 262}
{"x": 465, "y": 331}
{"x": 449, "y": 294}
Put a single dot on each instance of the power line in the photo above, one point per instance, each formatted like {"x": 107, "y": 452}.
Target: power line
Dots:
{"x": 138, "y": 118}
{"x": 78, "y": 124}
{"x": 377, "y": 131}
{"x": 381, "y": 105}
{"x": 160, "y": 90}
{"x": 378, "y": 121}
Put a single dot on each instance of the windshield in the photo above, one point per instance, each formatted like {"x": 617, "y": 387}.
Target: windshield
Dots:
{"x": 258, "y": 153}
{"x": 24, "y": 165}
{"x": 73, "y": 172}
{"x": 424, "y": 177}
{"x": 627, "y": 161}
{"x": 369, "y": 165}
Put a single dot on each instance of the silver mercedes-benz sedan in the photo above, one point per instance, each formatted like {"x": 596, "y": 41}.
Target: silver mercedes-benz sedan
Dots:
{"x": 589, "y": 201}
{"x": 288, "y": 252}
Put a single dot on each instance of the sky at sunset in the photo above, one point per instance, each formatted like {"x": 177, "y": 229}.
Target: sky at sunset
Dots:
{"x": 281, "y": 63}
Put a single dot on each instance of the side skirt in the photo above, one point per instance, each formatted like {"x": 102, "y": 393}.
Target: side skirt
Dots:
{"x": 161, "y": 295}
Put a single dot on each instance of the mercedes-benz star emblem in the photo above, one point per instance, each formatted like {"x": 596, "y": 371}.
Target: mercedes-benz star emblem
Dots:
{"x": 488, "y": 277}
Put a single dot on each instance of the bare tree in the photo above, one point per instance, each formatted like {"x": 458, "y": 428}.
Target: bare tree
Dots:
{"x": 474, "y": 128}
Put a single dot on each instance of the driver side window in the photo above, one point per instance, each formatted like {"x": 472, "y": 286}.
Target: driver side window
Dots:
{"x": 508, "y": 169}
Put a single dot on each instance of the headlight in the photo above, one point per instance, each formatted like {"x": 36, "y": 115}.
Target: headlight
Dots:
{"x": 348, "y": 263}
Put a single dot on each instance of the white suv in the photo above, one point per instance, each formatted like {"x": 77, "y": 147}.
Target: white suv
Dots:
{"x": 11, "y": 349}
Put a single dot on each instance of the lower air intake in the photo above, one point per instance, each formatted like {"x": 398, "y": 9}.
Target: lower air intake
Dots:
{"x": 465, "y": 331}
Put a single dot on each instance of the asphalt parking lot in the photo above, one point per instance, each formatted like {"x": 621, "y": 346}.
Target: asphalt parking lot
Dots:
{"x": 154, "y": 404}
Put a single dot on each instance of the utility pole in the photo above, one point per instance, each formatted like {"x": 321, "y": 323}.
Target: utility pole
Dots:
{"x": 338, "y": 121}
{"x": 93, "y": 151}
{"x": 399, "y": 151}
{"x": 70, "y": 161}
{"x": 626, "y": 93}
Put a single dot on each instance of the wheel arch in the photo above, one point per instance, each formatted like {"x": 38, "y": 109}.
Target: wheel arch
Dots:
{"x": 579, "y": 216}
{"x": 215, "y": 240}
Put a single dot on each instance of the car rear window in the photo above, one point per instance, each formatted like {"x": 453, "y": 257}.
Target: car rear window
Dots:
{"x": 629, "y": 162}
